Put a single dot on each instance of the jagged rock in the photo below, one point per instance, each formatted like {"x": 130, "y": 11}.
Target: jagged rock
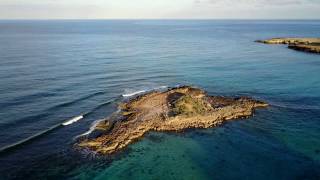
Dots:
{"x": 173, "y": 110}
{"x": 301, "y": 44}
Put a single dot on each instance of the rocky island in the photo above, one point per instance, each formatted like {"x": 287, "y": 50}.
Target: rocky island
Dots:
{"x": 175, "y": 109}
{"x": 301, "y": 44}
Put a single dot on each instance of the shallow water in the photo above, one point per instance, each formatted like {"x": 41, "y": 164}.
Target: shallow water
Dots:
{"x": 55, "y": 71}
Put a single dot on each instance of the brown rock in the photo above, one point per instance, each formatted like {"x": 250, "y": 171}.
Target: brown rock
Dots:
{"x": 173, "y": 110}
{"x": 300, "y": 44}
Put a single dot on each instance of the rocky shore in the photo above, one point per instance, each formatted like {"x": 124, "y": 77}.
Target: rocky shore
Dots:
{"x": 175, "y": 109}
{"x": 301, "y": 44}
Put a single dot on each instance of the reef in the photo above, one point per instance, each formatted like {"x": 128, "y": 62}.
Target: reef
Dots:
{"x": 175, "y": 109}
{"x": 300, "y": 44}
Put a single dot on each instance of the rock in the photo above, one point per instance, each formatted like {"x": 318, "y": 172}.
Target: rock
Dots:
{"x": 300, "y": 44}
{"x": 305, "y": 48}
{"x": 173, "y": 110}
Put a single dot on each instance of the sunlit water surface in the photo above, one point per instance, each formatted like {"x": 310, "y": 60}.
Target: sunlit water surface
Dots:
{"x": 53, "y": 71}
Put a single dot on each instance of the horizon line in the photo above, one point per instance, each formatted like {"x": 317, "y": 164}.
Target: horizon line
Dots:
{"x": 267, "y": 19}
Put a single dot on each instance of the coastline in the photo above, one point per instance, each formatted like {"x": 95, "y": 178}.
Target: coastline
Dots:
{"x": 173, "y": 110}
{"x": 311, "y": 45}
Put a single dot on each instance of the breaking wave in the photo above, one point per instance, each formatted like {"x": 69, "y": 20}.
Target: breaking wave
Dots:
{"x": 134, "y": 93}
{"x": 92, "y": 128}
{"x": 143, "y": 91}
{"x": 72, "y": 120}
{"x": 41, "y": 133}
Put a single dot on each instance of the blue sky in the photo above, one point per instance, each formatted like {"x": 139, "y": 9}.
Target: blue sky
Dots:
{"x": 160, "y": 9}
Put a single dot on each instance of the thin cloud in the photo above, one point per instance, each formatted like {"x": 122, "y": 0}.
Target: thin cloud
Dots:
{"x": 258, "y": 2}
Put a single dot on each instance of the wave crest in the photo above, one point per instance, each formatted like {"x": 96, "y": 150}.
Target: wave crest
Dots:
{"x": 72, "y": 120}
{"x": 134, "y": 93}
{"x": 143, "y": 91}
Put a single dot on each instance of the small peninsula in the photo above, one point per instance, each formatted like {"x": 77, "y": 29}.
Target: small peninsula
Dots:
{"x": 311, "y": 45}
{"x": 175, "y": 109}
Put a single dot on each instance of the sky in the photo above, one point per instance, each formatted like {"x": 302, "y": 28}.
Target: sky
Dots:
{"x": 159, "y": 9}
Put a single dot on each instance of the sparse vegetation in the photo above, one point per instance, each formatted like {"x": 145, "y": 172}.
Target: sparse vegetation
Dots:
{"x": 172, "y": 110}
{"x": 188, "y": 105}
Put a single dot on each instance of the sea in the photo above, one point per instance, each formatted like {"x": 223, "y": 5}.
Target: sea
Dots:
{"x": 59, "y": 77}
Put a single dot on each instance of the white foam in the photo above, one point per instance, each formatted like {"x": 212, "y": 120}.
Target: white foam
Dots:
{"x": 134, "y": 93}
{"x": 143, "y": 91}
{"x": 163, "y": 87}
{"x": 92, "y": 128}
{"x": 72, "y": 120}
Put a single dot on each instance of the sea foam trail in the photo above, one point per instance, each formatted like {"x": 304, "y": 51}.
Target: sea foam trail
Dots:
{"x": 134, "y": 93}
{"x": 52, "y": 128}
{"x": 92, "y": 128}
{"x": 39, "y": 134}
{"x": 143, "y": 91}
{"x": 94, "y": 125}
{"x": 72, "y": 120}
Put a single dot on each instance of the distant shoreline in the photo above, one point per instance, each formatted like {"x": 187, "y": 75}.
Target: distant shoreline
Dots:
{"x": 160, "y": 19}
{"x": 311, "y": 45}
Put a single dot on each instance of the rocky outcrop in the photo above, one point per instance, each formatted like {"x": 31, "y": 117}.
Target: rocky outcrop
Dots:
{"x": 172, "y": 110}
{"x": 306, "y": 48}
{"x": 301, "y": 44}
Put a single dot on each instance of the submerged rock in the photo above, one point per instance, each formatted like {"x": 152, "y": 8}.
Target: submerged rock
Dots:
{"x": 173, "y": 110}
{"x": 301, "y": 44}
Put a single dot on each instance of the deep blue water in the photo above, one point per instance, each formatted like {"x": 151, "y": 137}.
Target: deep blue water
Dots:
{"x": 51, "y": 71}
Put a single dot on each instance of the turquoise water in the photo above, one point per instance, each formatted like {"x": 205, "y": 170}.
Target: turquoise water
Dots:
{"x": 52, "y": 71}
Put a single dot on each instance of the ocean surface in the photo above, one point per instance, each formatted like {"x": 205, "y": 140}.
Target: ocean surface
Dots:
{"x": 58, "y": 77}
